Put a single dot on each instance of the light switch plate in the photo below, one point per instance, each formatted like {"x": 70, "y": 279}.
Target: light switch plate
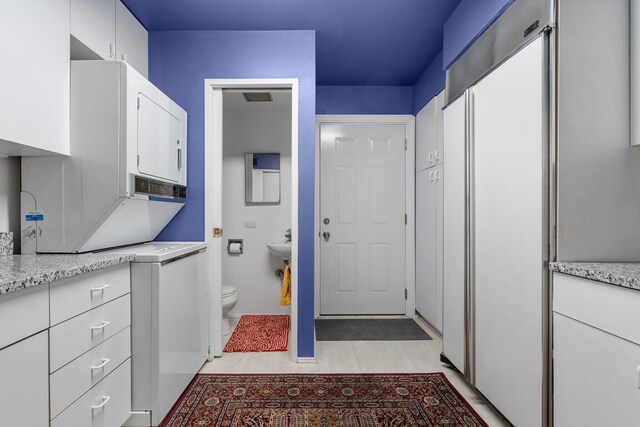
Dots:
{"x": 250, "y": 224}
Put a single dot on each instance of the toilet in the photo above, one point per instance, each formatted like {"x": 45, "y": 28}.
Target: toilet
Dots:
{"x": 229, "y": 300}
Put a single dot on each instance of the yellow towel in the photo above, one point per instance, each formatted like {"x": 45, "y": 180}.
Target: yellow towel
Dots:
{"x": 285, "y": 298}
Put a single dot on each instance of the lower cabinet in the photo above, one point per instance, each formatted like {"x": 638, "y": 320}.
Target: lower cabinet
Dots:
{"x": 596, "y": 353}
{"x": 106, "y": 404}
{"x": 24, "y": 382}
{"x": 429, "y": 248}
{"x": 596, "y": 376}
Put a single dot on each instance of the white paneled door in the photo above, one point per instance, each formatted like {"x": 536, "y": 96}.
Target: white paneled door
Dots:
{"x": 362, "y": 215}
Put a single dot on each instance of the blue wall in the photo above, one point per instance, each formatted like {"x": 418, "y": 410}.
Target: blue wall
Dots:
{"x": 429, "y": 84}
{"x": 466, "y": 23}
{"x": 364, "y": 100}
{"x": 179, "y": 61}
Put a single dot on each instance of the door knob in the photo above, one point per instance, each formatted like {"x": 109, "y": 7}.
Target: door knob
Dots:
{"x": 326, "y": 221}
{"x": 326, "y": 235}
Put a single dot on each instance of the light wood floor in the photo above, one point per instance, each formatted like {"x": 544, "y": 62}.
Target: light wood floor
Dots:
{"x": 360, "y": 357}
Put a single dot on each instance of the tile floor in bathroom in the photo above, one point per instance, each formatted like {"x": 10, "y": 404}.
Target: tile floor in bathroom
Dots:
{"x": 360, "y": 356}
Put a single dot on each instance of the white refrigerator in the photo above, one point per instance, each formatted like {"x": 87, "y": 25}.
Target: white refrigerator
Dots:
{"x": 495, "y": 223}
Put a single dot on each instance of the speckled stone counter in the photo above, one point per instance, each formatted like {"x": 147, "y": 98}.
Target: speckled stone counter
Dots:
{"x": 25, "y": 271}
{"x": 620, "y": 274}
{"x": 6, "y": 243}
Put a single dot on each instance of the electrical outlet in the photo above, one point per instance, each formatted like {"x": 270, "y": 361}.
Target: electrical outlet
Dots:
{"x": 250, "y": 224}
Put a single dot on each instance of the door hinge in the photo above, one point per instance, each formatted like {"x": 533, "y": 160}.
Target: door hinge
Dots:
{"x": 406, "y": 219}
{"x": 138, "y": 159}
{"x": 209, "y": 351}
{"x": 406, "y": 294}
{"x": 138, "y": 103}
{"x": 406, "y": 145}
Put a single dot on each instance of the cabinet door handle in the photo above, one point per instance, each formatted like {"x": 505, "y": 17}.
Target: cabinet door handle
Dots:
{"x": 100, "y": 326}
{"x": 123, "y": 56}
{"x": 110, "y": 50}
{"x": 101, "y": 365}
{"x": 639, "y": 377}
{"x": 99, "y": 288}
{"x": 431, "y": 175}
{"x": 437, "y": 175}
{"x": 430, "y": 157}
{"x": 179, "y": 158}
{"x": 437, "y": 154}
{"x": 105, "y": 399}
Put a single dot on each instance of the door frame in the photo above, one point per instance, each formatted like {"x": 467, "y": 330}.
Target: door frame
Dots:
{"x": 213, "y": 145}
{"x": 410, "y": 203}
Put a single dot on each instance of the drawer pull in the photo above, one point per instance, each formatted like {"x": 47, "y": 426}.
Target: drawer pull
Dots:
{"x": 101, "y": 365}
{"x": 99, "y": 289}
{"x": 100, "y": 327}
{"x": 105, "y": 399}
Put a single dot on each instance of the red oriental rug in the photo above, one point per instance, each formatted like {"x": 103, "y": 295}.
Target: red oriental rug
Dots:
{"x": 292, "y": 400}
{"x": 256, "y": 333}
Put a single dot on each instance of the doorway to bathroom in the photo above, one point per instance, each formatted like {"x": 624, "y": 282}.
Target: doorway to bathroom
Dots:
{"x": 251, "y": 173}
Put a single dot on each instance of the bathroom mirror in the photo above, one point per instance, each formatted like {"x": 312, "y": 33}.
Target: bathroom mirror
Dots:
{"x": 262, "y": 178}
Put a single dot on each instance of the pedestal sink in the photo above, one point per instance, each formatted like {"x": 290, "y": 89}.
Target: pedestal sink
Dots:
{"x": 281, "y": 248}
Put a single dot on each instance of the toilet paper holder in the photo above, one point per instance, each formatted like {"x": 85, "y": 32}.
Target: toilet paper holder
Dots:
{"x": 236, "y": 243}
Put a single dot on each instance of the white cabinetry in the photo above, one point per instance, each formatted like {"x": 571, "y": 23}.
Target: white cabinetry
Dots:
{"x": 429, "y": 245}
{"x": 596, "y": 353}
{"x": 132, "y": 40}
{"x": 85, "y": 360}
{"x": 93, "y": 23}
{"x": 429, "y": 220}
{"x": 106, "y": 29}
{"x": 90, "y": 349}
{"x": 429, "y": 134}
{"x": 34, "y": 78}
{"x": 24, "y": 384}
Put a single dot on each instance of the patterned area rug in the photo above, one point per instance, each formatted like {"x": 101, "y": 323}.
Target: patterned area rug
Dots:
{"x": 292, "y": 400}
{"x": 256, "y": 333}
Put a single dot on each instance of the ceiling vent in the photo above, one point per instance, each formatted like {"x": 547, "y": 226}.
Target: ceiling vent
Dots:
{"x": 257, "y": 96}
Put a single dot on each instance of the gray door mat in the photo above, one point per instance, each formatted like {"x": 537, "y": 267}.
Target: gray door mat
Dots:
{"x": 369, "y": 330}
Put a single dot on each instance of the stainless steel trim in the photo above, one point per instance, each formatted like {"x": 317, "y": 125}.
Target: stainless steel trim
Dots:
{"x": 500, "y": 41}
{"x": 169, "y": 261}
{"x": 469, "y": 242}
{"x": 548, "y": 215}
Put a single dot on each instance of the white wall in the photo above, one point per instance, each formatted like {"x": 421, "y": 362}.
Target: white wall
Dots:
{"x": 10, "y": 197}
{"x": 259, "y": 128}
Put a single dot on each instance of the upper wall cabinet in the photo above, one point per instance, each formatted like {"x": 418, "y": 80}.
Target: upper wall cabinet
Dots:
{"x": 105, "y": 29}
{"x": 34, "y": 78}
{"x": 93, "y": 29}
{"x": 132, "y": 40}
{"x": 429, "y": 134}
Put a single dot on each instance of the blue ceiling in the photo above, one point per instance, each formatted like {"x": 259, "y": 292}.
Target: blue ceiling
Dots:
{"x": 358, "y": 42}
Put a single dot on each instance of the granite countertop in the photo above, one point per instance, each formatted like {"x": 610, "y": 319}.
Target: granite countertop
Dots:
{"x": 625, "y": 274}
{"x": 26, "y": 271}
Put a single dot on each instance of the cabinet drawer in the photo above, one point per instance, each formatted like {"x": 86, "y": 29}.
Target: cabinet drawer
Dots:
{"x": 114, "y": 396}
{"x": 72, "y": 338}
{"x": 76, "y": 378}
{"x": 23, "y": 313}
{"x": 75, "y": 295}
{"x": 608, "y": 307}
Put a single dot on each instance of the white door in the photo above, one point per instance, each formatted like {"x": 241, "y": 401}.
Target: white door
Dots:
{"x": 453, "y": 328}
{"x": 509, "y": 264}
{"x": 160, "y": 148}
{"x": 362, "y": 214}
